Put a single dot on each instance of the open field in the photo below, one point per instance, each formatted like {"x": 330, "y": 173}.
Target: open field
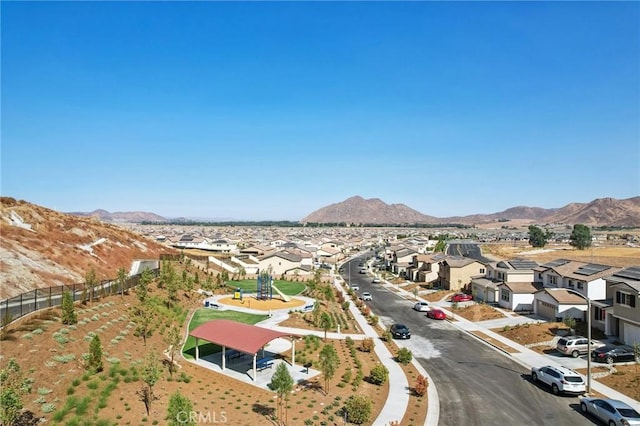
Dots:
{"x": 621, "y": 256}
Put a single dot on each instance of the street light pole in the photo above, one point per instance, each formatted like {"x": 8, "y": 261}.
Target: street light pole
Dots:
{"x": 588, "y": 336}
{"x": 588, "y": 345}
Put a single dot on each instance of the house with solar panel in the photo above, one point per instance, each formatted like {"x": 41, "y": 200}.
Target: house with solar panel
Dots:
{"x": 619, "y": 313}
{"x": 507, "y": 282}
{"x": 566, "y": 286}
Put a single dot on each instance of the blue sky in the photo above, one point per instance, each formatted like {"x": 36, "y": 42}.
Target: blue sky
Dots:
{"x": 269, "y": 111}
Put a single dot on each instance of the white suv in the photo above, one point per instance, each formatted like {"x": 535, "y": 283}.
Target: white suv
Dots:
{"x": 576, "y": 345}
{"x": 560, "y": 379}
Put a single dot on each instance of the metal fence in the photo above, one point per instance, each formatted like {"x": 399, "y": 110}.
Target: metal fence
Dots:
{"x": 35, "y": 300}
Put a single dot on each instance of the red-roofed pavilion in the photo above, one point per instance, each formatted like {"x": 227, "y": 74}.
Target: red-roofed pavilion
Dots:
{"x": 240, "y": 337}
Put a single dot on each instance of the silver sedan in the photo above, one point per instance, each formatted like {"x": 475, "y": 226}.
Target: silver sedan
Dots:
{"x": 611, "y": 411}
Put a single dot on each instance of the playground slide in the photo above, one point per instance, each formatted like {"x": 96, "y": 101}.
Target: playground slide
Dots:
{"x": 284, "y": 296}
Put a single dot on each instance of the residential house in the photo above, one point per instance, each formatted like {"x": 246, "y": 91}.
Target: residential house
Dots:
{"x": 585, "y": 280}
{"x": 517, "y": 296}
{"x": 555, "y": 304}
{"x": 513, "y": 271}
{"x": 456, "y": 272}
{"x": 425, "y": 267}
{"x": 401, "y": 260}
{"x": 623, "y": 318}
{"x": 281, "y": 263}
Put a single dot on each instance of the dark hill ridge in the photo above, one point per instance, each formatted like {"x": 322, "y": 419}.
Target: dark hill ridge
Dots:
{"x": 135, "y": 217}
{"x": 600, "y": 212}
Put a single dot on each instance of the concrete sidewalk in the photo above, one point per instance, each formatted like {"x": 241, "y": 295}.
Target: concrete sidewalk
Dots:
{"x": 519, "y": 353}
{"x": 394, "y": 407}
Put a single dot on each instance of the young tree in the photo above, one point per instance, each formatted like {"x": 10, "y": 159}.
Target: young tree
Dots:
{"x": 69, "y": 315}
{"x": 13, "y": 386}
{"x": 580, "y": 237}
{"x": 174, "y": 340}
{"x": 315, "y": 314}
{"x": 90, "y": 282}
{"x": 150, "y": 376}
{"x": 282, "y": 384}
{"x": 404, "y": 356}
{"x": 441, "y": 244}
{"x": 94, "y": 363}
{"x": 329, "y": 363}
{"x": 325, "y": 323}
{"x": 143, "y": 316}
{"x": 179, "y": 410}
{"x": 537, "y": 237}
{"x": 122, "y": 280}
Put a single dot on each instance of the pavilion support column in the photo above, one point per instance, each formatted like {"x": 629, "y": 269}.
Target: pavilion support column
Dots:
{"x": 197, "y": 351}
{"x": 255, "y": 372}
{"x": 224, "y": 358}
{"x": 293, "y": 351}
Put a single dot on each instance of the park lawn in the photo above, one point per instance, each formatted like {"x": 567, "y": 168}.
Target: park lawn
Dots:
{"x": 203, "y": 315}
{"x": 290, "y": 288}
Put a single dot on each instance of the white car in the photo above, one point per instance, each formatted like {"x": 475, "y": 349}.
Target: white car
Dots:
{"x": 355, "y": 287}
{"x": 421, "y": 307}
{"x": 559, "y": 379}
{"x": 375, "y": 280}
{"x": 366, "y": 296}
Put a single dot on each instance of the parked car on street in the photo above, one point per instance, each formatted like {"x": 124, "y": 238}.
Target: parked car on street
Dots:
{"x": 355, "y": 287}
{"x": 400, "y": 331}
{"x": 611, "y": 411}
{"x": 461, "y": 297}
{"x": 437, "y": 314}
{"x": 366, "y": 296}
{"x": 375, "y": 280}
{"x": 576, "y": 345}
{"x": 421, "y": 307}
{"x": 612, "y": 354}
{"x": 559, "y": 379}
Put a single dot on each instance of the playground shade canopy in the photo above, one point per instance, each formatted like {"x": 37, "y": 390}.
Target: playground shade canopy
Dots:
{"x": 236, "y": 335}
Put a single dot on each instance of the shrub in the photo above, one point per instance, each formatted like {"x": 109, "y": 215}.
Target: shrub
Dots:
{"x": 358, "y": 409}
{"x": 404, "y": 356}
{"x": 420, "y": 388}
{"x": 367, "y": 345}
{"x": 379, "y": 374}
{"x": 373, "y": 320}
{"x": 387, "y": 336}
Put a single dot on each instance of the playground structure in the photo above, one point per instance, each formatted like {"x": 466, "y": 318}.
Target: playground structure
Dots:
{"x": 265, "y": 288}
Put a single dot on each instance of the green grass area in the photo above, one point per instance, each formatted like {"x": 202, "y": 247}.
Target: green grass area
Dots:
{"x": 203, "y": 315}
{"x": 290, "y": 288}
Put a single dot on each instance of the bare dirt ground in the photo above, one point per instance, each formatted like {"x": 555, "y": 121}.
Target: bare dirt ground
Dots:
{"x": 51, "y": 354}
{"x": 437, "y": 295}
{"x": 479, "y": 312}
{"x": 626, "y": 381}
{"x": 620, "y": 256}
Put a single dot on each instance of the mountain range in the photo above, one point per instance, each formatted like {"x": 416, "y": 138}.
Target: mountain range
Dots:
{"x": 357, "y": 210}
{"x": 599, "y": 212}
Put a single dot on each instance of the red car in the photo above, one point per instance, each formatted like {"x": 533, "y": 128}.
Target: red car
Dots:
{"x": 461, "y": 297}
{"x": 437, "y": 314}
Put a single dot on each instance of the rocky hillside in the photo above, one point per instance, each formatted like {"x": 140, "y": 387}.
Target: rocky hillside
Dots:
{"x": 357, "y": 210}
{"x": 600, "y": 212}
{"x": 40, "y": 247}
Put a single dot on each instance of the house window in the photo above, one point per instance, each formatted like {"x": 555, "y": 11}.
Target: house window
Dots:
{"x": 553, "y": 279}
{"x": 482, "y": 270}
{"x": 625, "y": 299}
{"x": 580, "y": 286}
{"x": 504, "y": 295}
{"x": 540, "y": 275}
{"x": 598, "y": 314}
{"x": 571, "y": 284}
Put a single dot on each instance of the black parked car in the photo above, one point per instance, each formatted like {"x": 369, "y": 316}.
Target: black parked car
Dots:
{"x": 611, "y": 354}
{"x": 400, "y": 331}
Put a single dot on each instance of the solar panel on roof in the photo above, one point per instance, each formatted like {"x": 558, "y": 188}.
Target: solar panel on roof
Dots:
{"x": 523, "y": 264}
{"x": 555, "y": 263}
{"x": 591, "y": 268}
{"x": 631, "y": 273}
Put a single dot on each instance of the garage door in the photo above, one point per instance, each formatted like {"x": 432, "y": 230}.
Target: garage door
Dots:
{"x": 546, "y": 310}
{"x": 631, "y": 334}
